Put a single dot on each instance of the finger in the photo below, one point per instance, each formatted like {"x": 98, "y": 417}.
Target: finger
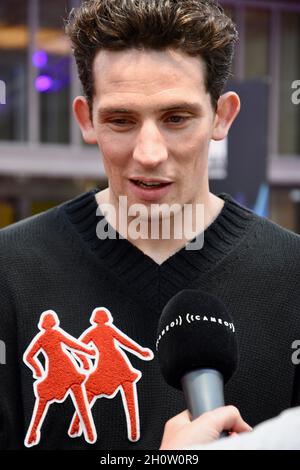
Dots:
{"x": 179, "y": 420}
{"x": 229, "y": 418}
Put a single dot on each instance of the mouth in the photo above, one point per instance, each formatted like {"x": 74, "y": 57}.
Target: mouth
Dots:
{"x": 150, "y": 189}
{"x": 151, "y": 184}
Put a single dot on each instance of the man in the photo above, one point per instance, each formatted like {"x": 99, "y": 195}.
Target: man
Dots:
{"x": 153, "y": 74}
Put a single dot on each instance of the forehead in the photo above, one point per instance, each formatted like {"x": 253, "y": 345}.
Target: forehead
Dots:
{"x": 148, "y": 75}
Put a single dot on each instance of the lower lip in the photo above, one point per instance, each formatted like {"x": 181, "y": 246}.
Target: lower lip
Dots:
{"x": 151, "y": 194}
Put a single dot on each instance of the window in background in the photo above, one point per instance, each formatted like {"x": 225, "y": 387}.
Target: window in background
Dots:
{"x": 13, "y": 69}
{"x": 257, "y": 39}
{"x": 53, "y": 62}
{"x": 7, "y": 213}
{"x": 289, "y": 135}
{"x": 283, "y": 208}
{"x": 41, "y": 206}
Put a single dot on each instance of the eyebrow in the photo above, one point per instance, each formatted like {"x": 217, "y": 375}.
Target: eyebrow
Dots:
{"x": 183, "y": 106}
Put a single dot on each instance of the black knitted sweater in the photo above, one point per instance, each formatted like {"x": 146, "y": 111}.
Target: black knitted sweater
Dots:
{"x": 54, "y": 261}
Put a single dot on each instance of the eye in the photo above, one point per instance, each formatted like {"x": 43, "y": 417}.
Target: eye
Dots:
{"x": 119, "y": 122}
{"x": 177, "y": 119}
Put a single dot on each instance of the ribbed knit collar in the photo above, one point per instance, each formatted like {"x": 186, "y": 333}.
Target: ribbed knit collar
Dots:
{"x": 177, "y": 272}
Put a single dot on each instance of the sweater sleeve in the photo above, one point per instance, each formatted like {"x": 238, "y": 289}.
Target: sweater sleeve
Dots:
{"x": 11, "y": 416}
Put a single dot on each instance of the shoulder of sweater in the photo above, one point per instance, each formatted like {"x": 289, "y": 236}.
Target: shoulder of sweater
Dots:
{"x": 274, "y": 232}
{"x": 274, "y": 247}
{"x": 266, "y": 233}
{"x": 22, "y": 243}
{"x": 28, "y": 233}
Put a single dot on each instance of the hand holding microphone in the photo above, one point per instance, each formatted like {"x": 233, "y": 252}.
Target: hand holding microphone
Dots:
{"x": 180, "y": 432}
{"x": 197, "y": 351}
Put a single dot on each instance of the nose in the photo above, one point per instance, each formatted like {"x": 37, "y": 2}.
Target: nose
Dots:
{"x": 150, "y": 149}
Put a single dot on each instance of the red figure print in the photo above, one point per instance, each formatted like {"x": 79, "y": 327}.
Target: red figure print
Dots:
{"x": 112, "y": 371}
{"x": 61, "y": 377}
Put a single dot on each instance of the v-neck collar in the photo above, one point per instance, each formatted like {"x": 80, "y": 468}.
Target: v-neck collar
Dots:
{"x": 138, "y": 270}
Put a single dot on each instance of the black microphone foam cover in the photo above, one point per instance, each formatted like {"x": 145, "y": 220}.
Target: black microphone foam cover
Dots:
{"x": 195, "y": 331}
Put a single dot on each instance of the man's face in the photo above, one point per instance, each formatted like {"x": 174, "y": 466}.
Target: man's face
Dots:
{"x": 153, "y": 121}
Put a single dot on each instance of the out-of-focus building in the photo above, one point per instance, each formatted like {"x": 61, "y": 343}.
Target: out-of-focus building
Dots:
{"x": 43, "y": 160}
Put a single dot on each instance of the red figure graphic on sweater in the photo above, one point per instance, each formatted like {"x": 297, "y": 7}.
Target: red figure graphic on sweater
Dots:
{"x": 61, "y": 377}
{"x": 112, "y": 370}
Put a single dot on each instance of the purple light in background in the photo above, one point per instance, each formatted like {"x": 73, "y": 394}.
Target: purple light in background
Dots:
{"x": 43, "y": 83}
{"x": 39, "y": 59}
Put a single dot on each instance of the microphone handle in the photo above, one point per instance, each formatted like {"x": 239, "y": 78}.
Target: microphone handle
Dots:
{"x": 204, "y": 391}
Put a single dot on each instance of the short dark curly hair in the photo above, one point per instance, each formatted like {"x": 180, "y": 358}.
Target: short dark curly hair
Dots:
{"x": 196, "y": 27}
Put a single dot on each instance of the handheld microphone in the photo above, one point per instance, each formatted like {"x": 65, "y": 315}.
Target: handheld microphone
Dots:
{"x": 197, "y": 348}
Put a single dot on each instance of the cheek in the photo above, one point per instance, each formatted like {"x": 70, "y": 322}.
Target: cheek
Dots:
{"x": 193, "y": 154}
{"x": 114, "y": 155}
{"x": 195, "y": 141}
{"x": 115, "y": 148}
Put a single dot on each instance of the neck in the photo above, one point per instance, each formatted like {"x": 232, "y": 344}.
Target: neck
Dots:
{"x": 160, "y": 237}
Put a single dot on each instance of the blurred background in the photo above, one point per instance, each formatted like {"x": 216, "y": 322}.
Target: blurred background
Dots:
{"x": 43, "y": 160}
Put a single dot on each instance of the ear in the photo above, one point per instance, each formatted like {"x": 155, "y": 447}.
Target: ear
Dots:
{"x": 82, "y": 115}
{"x": 228, "y": 108}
